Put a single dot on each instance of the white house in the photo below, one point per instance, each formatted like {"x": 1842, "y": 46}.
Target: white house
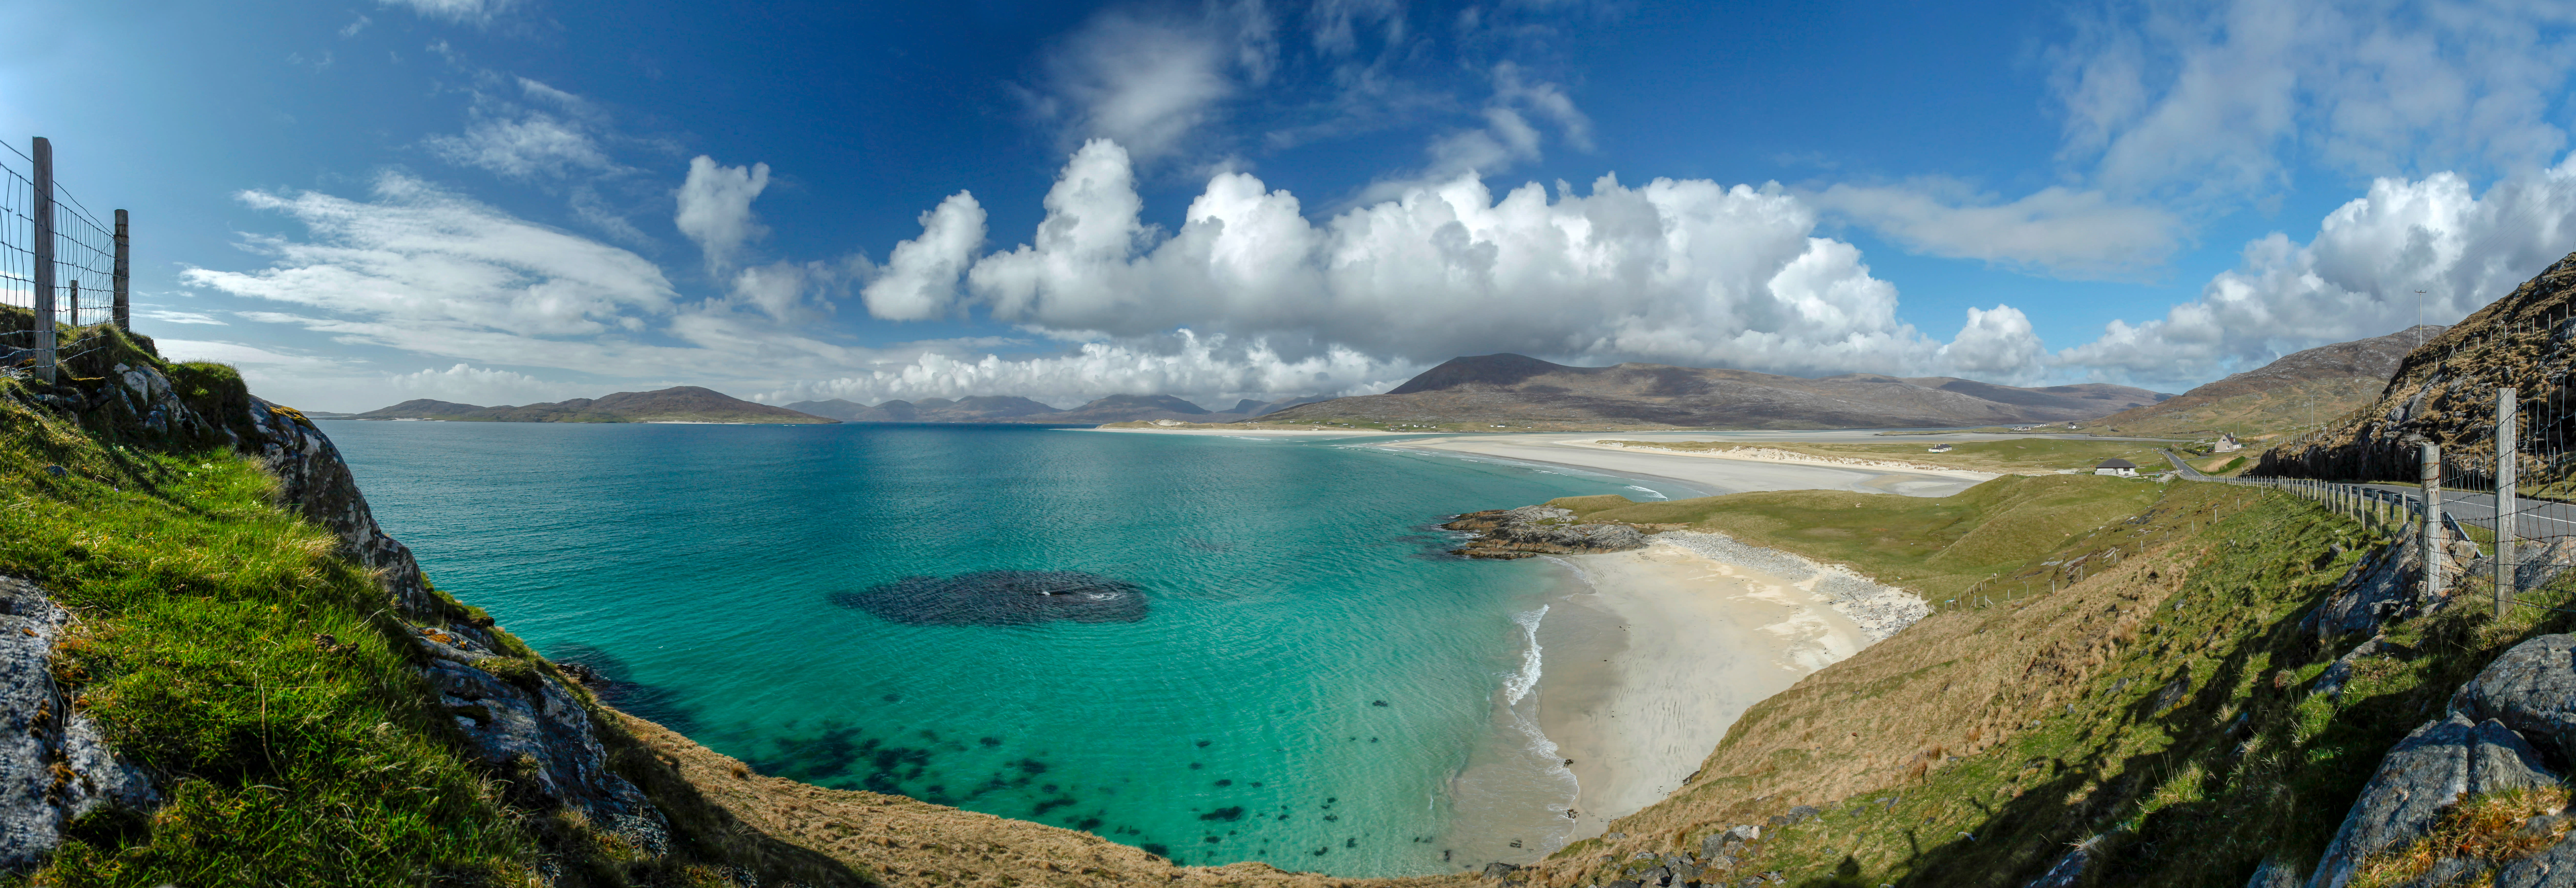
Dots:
{"x": 2117, "y": 466}
{"x": 1941, "y": 448}
{"x": 2227, "y": 443}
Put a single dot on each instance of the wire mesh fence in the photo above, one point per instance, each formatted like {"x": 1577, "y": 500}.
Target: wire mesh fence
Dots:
{"x": 62, "y": 266}
{"x": 2504, "y": 545}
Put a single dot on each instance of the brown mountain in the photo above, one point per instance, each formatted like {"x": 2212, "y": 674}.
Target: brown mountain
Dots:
{"x": 1525, "y": 392}
{"x": 687, "y": 403}
{"x": 2300, "y": 389}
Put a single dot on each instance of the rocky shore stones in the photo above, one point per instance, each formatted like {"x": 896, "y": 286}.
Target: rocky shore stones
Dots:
{"x": 1536, "y": 530}
{"x": 1001, "y": 598}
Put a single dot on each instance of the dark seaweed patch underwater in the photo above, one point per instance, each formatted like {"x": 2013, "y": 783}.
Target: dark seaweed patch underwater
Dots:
{"x": 1000, "y": 598}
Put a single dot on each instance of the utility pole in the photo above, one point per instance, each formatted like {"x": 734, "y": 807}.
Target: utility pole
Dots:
{"x": 2507, "y": 520}
{"x": 43, "y": 222}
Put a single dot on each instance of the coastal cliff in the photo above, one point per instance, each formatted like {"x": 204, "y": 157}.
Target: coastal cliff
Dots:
{"x": 219, "y": 669}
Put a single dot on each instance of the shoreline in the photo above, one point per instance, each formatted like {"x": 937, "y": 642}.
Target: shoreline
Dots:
{"x": 1661, "y": 649}
{"x": 1709, "y": 475}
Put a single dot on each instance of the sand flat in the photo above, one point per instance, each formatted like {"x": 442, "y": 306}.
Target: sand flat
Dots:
{"x": 1644, "y": 673}
{"x": 1694, "y": 474}
{"x": 1257, "y": 433}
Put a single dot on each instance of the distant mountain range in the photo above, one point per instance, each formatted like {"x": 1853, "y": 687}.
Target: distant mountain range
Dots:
{"x": 686, "y": 403}
{"x": 1003, "y": 409}
{"x": 2314, "y": 386}
{"x": 1524, "y": 392}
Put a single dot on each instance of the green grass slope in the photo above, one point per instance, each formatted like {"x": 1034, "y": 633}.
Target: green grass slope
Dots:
{"x": 1985, "y": 540}
{"x": 229, "y": 647}
{"x": 2159, "y": 713}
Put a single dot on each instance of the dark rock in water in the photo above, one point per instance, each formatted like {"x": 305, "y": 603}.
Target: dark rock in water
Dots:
{"x": 1001, "y": 598}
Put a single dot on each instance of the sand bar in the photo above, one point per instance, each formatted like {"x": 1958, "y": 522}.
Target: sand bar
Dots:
{"x": 1646, "y": 669}
{"x": 1701, "y": 474}
{"x": 1256, "y": 432}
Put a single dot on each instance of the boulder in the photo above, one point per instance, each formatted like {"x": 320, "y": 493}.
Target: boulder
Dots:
{"x": 54, "y": 765}
{"x": 2532, "y": 690}
{"x": 2433, "y": 768}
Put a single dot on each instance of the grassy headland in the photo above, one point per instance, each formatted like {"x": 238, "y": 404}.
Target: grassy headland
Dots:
{"x": 1992, "y": 539}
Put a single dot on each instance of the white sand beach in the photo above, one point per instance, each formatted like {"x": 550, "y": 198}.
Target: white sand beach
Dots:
{"x": 1645, "y": 670}
{"x": 1697, "y": 474}
{"x": 1256, "y": 432}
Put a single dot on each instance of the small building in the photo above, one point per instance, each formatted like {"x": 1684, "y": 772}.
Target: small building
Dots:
{"x": 1943, "y": 447}
{"x": 2227, "y": 443}
{"x": 2117, "y": 466}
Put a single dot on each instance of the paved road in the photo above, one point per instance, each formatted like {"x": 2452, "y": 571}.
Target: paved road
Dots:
{"x": 2539, "y": 518}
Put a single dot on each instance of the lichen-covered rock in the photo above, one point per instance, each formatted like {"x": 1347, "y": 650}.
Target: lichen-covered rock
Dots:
{"x": 2432, "y": 769}
{"x": 2530, "y": 689}
{"x": 53, "y": 764}
{"x": 525, "y": 725}
{"x": 2385, "y": 586}
{"x": 315, "y": 482}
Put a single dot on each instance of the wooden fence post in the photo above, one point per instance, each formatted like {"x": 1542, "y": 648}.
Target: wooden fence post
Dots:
{"x": 2507, "y": 524}
{"x": 2428, "y": 471}
{"x": 43, "y": 219}
{"x": 119, "y": 313}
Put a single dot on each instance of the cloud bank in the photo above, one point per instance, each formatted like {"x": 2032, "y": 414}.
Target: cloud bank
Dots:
{"x": 2358, "y": 276}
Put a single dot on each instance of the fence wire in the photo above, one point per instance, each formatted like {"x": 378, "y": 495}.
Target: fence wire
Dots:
{"x": 2539, "y": 535}
{"x": 84, "y": 264}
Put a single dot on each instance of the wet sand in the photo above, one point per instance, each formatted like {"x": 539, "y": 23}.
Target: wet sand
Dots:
{"x": 1645, "y": 670}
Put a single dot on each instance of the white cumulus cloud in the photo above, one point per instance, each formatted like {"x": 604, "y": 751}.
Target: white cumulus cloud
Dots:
{"x": 2357, "y": 277}
{"x": 919, "y": 279}
{"x": 715, "y": 208}
{"x": 485, "y": 386}
{"x": 1682, "y": 271}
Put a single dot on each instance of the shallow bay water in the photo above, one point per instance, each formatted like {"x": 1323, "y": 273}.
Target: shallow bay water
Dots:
{"x": 1306, "y": 681}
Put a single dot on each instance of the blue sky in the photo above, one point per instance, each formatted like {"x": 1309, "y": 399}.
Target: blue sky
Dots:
{"x": 504, "y": 201}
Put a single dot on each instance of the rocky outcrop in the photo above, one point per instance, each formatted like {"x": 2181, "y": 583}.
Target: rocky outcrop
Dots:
{"x": 524, "y": 724}
{"x": 2387, "y": 586}
{"x": 1539, "y": 530}
{"x": 53, "y": 765}
{"x": 515, "y": 713}
{"x": 2444, "y": 392}
{"x": 2512, "y": 727}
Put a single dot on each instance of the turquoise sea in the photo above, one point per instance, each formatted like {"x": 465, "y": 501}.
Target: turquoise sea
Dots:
{"x": 1305, "y": 683}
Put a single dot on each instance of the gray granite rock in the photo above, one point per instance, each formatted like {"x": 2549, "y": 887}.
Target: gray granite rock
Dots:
{"x": 2532, "y": 690}
{"x": 2551, "y": 868}
{"x": 2434, "y": 767}
{"x": 2276, "y": 872}
{"x": 53, "y": 764}
{"x": 2068, "y": 870}
{"x": 529, "y": 728}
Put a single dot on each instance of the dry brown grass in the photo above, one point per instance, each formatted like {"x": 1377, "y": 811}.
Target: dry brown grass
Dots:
{"x": 2490, "y": 829}
{"x": 1958, "y": 683}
